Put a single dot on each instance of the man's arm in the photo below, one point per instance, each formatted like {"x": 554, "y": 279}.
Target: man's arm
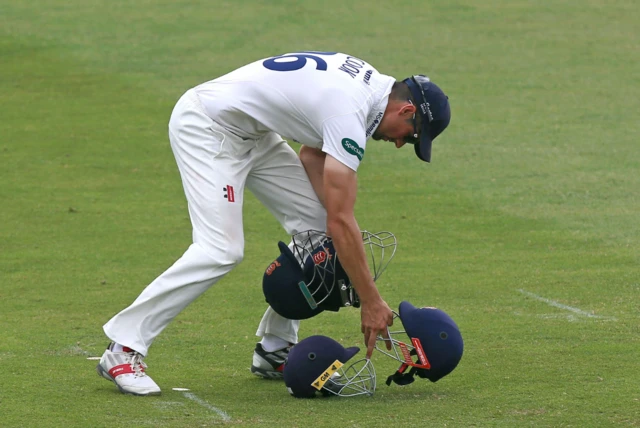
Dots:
{"x": 313, "y": 162}
{"x": 339, "y": 188}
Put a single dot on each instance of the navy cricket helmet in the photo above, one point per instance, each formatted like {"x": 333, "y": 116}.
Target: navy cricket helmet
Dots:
{"x": 300, "y": 290}
{"x": 434, "y": 349}
{"x": 321, "y": 364}
{"x": 307, "y": 277}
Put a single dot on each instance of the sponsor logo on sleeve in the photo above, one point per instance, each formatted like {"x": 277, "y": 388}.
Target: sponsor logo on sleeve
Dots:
{"x": 353, "y": 148}
{"x": 374, "y": 124}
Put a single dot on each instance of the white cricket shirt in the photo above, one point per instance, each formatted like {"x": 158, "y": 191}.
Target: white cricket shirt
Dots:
{"x": 331, "y": 101}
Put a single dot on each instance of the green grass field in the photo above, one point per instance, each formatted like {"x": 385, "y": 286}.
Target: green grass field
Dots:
{"x": 525, "y": 227}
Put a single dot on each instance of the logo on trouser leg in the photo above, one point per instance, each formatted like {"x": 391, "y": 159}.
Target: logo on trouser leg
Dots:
{"x": 229, "y": 194}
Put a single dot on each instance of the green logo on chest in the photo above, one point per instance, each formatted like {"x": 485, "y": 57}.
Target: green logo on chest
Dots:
{"x": 353, "y": 148}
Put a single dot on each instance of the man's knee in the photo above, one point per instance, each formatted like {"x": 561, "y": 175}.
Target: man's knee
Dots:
{"x": 229, "y": 256}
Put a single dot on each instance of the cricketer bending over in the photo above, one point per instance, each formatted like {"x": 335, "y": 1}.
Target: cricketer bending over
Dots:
{"x": 226, "y": 136}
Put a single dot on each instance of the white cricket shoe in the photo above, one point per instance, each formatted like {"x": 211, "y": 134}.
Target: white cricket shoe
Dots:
{"x": 269, "y": 365}
{"x": 127, "y": 370}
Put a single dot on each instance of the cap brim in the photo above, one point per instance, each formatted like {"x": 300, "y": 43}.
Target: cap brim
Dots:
{"x": 423, "y": 149}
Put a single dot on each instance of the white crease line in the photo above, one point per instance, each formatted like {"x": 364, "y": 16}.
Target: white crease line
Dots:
{"x": 225, "y": 417}
{"x": 78, "y": 350}
{"x": 565, "y": 307}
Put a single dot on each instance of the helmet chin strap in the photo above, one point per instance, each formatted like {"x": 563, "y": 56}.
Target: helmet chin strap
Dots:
{"x": 402, "y": 377}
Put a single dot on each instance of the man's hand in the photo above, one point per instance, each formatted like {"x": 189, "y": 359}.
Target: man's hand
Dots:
{"x": 375, "y": 316}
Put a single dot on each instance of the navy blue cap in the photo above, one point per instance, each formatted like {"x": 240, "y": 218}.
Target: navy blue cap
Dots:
{"x": 433, "y": 109}
{"x": 309, "y": 359}
{"x": 439, "y": 337}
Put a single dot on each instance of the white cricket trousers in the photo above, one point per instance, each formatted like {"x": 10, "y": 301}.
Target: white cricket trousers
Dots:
{"x": 215, "y": 167}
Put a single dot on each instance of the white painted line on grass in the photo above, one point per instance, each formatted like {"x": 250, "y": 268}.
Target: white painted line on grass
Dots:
{"x": 225, "y": 417}
{"x": 77, "y": 350}
{"x": 565, "y": 307}
{"x": 168, "y": 405}
{"x": 93, "y": 358}
{"x": 181, "y": 389}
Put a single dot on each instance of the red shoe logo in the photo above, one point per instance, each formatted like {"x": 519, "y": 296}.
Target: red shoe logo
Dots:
{"x": 120, "y": 370}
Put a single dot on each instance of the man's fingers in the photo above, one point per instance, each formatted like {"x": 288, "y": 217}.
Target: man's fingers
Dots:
{"x": 371, "y": 328}
{"x": 371, "y": 343}
{"x": 367, "y": 333}
{"x": 385, "y": 335}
